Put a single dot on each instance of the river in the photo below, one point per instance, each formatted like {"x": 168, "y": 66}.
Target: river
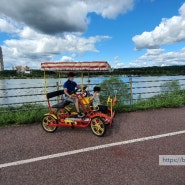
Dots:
{"x": 144, "y": 87}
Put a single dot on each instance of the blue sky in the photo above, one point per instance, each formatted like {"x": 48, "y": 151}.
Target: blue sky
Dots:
{"x": 126, "y": 33}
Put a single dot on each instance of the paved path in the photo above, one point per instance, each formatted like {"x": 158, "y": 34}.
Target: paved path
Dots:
{"x": 127, "y": 155}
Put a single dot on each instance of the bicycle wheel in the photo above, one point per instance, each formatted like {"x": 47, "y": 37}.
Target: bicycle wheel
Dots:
{"x": 98, "y": 126}
{"x": 46, "y": 121}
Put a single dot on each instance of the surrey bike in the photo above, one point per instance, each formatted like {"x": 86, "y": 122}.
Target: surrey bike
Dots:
{"x": 61, "y": 114}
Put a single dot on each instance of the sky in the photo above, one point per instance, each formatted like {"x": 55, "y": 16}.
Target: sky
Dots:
{"x": 126, "y": 33}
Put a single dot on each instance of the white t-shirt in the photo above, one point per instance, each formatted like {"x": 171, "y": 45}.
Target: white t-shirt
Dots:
{"x": 96, "y": 101}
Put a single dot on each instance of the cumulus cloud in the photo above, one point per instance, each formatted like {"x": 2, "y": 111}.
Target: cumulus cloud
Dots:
{"x": 169, "y": 31}
{"x": 54, "y": 45}
{"x": 156, "y": 57}
{"x": 159, "y": 57}
{"x": 40, "y": 30}
{"x": 108, "y": 8}
{"x": 67, "y": 59}
{"x": 58, "y": 16}
{"x": 26, "y": 46}
{"x": 7, "y": 25}
{"x": 47, "y": 16}
{"x": 32, "y": 47}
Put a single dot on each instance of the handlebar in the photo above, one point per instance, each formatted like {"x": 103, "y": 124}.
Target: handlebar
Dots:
{"x": 81, "y": 90}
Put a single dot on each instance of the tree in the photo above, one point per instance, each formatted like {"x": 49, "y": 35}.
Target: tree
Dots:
{"x": 114, "y": 86}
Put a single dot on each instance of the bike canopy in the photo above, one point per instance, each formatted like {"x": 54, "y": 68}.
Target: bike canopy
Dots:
{"x": 95, "y": 66}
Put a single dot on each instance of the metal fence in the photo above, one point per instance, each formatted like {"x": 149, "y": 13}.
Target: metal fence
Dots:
{"x": 136, "y": 90}
{"x": 150, "y": 88}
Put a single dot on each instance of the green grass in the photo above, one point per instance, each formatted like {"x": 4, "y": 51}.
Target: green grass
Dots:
{"x": 24, "y": 114}
{"x": 168, "y": 100}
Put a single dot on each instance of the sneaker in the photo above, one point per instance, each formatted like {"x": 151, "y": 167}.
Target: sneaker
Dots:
{"x": 80, "y": 115}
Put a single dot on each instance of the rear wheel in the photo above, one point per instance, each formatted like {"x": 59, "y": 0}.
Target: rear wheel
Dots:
{"x": 49, "y": 119}
{"x": 98, "y": 126}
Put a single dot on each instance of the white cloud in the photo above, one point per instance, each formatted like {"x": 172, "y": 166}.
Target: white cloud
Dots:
{"x": 47, "y": 16}
{"x": 108, "y": 8}
{"x": 49, "y": 28}
{"x": 60, "y": 16}
{"x": 67, "y": 59}
{"x": 158, "y": 57}
{"x": 7, "y": 25}
{"x": 40, "y": 30}
{"x": 33, "y": 47}
{"x": 169, "y": 31}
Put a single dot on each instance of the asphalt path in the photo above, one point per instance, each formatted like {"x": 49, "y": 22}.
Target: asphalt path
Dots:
{"x": 128, "y": 154}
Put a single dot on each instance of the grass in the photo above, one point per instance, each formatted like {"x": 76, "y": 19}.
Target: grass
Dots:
{"x": 33, "y": 113}
{"x": 167, "y": 100}
{"x": 24, "y": 114}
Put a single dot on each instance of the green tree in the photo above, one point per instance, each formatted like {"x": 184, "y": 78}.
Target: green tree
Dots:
{"x": 113, "y": 86}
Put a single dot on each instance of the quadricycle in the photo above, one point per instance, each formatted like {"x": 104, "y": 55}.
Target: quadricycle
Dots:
{"x": 61, "y": 114}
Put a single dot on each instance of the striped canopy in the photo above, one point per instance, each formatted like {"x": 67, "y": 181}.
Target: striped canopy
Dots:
{"x": 95, "y": 66}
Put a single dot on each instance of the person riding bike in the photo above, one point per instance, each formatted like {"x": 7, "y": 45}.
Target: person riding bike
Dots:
{"x": 69, "y": 88}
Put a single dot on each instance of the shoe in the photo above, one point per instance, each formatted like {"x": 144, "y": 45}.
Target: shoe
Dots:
{"x": 80, "y": 115}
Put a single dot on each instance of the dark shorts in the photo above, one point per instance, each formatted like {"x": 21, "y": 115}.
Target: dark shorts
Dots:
{"x": 72, "y": 100}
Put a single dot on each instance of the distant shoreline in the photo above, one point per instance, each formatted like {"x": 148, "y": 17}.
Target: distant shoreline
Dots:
{"x": 129, "y": 72}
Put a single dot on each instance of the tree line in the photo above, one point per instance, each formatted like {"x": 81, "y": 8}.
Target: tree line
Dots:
{"x": 151, "y": 71}
{"x": 140, "y": 71}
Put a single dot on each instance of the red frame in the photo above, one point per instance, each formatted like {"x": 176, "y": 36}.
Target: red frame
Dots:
{"x": 81, "y": 122}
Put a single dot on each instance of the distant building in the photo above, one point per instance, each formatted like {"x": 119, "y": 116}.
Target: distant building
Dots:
{"x": 1, "y": 60}
{"x": 21, "y": 69}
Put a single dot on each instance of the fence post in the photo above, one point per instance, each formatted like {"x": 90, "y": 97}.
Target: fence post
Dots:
{"x": 131, "y": 99}
{"x": 57, "y": 85}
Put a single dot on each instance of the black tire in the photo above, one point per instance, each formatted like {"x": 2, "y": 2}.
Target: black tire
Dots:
{"x": 98, "y": 126}
{"x": 49, "y": 119}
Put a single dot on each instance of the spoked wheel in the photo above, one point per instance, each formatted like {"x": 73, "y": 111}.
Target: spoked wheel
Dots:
{"x": 98, "y": 126}
{"x": 48, "y": 119}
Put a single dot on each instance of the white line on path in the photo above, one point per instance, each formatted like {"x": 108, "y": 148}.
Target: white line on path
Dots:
{"x": 89, "y": 149}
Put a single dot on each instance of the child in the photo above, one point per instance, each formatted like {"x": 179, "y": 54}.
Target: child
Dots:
{"x": 96, "y": 101}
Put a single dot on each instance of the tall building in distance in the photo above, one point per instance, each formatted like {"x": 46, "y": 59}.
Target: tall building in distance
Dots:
{"x": 1, "y": 60}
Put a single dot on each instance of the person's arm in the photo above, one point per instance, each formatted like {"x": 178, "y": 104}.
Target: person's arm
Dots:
{"x": 93, "y": 96}
{"x": 66, "y": 93}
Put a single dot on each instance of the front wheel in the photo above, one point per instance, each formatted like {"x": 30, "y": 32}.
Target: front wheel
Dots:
{"x": 49, "y": 119}
{"x": 98, "y": 126}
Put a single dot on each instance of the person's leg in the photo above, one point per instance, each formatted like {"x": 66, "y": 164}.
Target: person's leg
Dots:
{"x": 77, "y": 108}
{"x": 77, "y": 105}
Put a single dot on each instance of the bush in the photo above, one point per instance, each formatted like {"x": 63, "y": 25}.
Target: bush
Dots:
{"x": 171, "y": 86}
{"x": 24, "y": 114}
{"x": 114, "y": 86}
{"x": 173, "y": 99}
